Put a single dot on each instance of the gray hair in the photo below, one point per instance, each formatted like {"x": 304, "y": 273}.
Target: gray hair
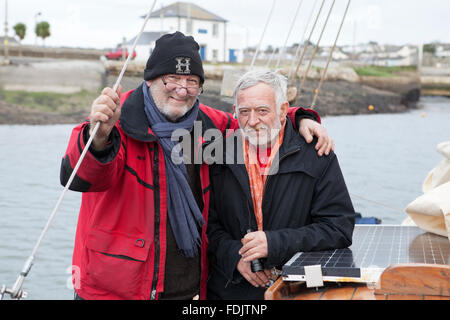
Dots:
{"x": 275, "y": 80}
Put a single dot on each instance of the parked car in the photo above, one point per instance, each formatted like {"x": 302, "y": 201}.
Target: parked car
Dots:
{"x": 117, "y": 54}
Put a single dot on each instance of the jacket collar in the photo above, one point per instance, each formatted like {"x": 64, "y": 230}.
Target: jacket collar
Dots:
{"x": 289, "y": 157}
{"x": 134, "y": 123}
{"x": 133, "y": 119}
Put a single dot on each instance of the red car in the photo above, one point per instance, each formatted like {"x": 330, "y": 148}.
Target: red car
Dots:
{"x": 117, "y": 54}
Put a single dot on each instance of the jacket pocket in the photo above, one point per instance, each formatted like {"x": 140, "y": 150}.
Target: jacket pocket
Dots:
{"x": 115, "y": 263}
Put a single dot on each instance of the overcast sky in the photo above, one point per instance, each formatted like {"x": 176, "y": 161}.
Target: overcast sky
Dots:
{"x": 103, "y": 23}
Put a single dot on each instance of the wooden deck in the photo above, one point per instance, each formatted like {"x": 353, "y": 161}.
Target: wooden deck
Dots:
{"x": 398, "y": 282}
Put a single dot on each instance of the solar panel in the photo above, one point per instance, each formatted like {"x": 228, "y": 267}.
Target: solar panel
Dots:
{"x": 373, "y": 249}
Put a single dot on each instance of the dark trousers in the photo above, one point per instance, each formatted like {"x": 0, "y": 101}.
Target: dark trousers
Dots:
{"x": 76, "y": 296}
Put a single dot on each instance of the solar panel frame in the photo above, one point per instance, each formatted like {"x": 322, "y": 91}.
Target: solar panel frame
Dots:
{"x": 374, "y": 248}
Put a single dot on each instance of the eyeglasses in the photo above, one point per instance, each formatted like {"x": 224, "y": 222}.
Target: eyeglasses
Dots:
{"x": 172, "y": 83}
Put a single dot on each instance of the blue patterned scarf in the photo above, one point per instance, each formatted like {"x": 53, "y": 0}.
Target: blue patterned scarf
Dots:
{"x": 184, "y": 213}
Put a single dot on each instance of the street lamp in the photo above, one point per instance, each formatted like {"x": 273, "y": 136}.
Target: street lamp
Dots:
{"x": 35, "y": 24}
{"x": 5, "y": 44}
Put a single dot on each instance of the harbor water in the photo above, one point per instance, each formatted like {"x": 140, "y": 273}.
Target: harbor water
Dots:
{"x": 384, "y": 158}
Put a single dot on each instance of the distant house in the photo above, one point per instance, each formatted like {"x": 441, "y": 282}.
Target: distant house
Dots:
{"x": 207, "y": 28}
{"x": 384, "y": 55}
{"x": 145, "y": 45}
{"x": 337, "y": 53}
{"x": 442, "y": 50}
{"x": 11, "y": 41}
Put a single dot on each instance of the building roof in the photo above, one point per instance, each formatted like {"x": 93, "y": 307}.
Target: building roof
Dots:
{"x": 186, "y": 10}
{"x": 148, "y": 37}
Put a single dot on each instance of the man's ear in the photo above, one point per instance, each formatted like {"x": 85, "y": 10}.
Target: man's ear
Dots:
{"x": 234, "y": 111}
{"x": 284, "y": 110}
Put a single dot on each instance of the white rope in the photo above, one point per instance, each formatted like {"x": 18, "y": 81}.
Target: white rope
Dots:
{"x": 262, "y": 36}
{"x": 309, "y": 38}
{"x": 297, "y": 52}
{"x": 376, "y": 202}
{"x": 271, "y": 57}
{"x": 283, "y": 49}
{"x": 316, "y": 47}
{"x": 28, "y": 264}
{"x": 313, "y": 104}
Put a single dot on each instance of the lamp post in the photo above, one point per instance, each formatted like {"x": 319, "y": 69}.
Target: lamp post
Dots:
{"x": 35, "y": 24}
{"x": 5, "y": 43}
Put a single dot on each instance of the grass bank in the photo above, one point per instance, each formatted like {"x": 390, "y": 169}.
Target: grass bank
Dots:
{"x": 48, "y": 101}
{"x": 380, "y": 71}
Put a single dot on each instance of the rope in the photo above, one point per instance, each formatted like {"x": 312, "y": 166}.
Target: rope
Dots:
{"x": 329, "y": 59}
{"x": 271, "y": 57}
{"x": 297, "y": 52}
{"x": 377, "y": 203}
{"x": 309, "y": 38}
{"x": 316, "y": 48}
{"x": 17, "y": 288}
{"x": 262, "y": 36}
{"x": 289, "y": 33}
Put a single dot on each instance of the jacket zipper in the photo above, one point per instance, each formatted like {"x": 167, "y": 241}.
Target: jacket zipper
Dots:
{"x": 157, "y": 220}
{"x": 279, "y": 162}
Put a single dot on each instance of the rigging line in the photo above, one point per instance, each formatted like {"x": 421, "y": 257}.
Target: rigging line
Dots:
{"x": 376, "y": 202}
{"x": 309, "y": 38}
{"x": 262, "y": 35}
{"x": 316, "y": 48}
{"x": 271, "y": 57}
{"x": 297, "y": 52}
{"x": 329, "y": 59}
{"x": 16, "y": 291}
{"x": 283, "y": 49}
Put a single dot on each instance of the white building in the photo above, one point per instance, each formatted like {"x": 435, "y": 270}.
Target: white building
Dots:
{"x": 442, "y": 51}
{"x": 384, "y": 55}
{"x": 337, "y": 53}
{"x": 207, "y": 28}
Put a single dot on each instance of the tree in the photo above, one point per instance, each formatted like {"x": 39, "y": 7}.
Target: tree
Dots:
{"x": 429, "y": 47}
{"x": 21, "y": 30}
{"x": 43, "y": 30}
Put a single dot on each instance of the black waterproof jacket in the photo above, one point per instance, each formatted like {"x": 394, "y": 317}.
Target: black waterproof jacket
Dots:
{"x": 306, "y": 207}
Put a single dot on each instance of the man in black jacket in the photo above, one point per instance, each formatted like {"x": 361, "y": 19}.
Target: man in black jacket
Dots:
{"x": 272, "y": 182}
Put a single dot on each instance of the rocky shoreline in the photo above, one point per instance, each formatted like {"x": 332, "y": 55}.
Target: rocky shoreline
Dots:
{"x": 337, "y": 97}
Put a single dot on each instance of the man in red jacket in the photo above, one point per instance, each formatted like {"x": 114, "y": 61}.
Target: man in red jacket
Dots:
{"x": 141, "y": 230}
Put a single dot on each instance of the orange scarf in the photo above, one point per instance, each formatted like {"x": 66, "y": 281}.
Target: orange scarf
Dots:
{"x": 256, "y": 176}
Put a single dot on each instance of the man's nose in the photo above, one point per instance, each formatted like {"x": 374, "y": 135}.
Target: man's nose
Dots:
{"x": 253, "y": 118}
{"x": 182, "y": 91}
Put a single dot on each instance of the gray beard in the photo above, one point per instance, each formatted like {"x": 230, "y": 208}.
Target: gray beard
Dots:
{"x": 165, "y": 110}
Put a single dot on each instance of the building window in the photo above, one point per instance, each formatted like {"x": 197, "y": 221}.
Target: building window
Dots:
{"x": 215, "y": 53}
{"x": 215, "y": 31}
{"x": 202, "y": 31}
{"x": 189, "y": 26}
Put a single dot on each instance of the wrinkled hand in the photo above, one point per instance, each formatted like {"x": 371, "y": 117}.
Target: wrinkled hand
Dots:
{"x": 106, "y": 109}
{"x": 257, "y": 279}
{"x": 254, "y": 246}
{"x": 310, "y": 128}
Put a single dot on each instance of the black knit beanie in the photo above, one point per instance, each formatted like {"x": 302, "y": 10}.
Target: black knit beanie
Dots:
{"x": 175, "y": 54}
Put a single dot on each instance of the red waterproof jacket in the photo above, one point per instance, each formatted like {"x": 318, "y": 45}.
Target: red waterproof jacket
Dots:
{"x": 120, "y": 242}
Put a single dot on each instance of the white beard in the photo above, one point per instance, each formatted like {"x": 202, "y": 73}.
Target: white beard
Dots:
{"x": 170, "y": 115}
{"x": 265, "y": 140}
{"x": 165, "y": 109}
